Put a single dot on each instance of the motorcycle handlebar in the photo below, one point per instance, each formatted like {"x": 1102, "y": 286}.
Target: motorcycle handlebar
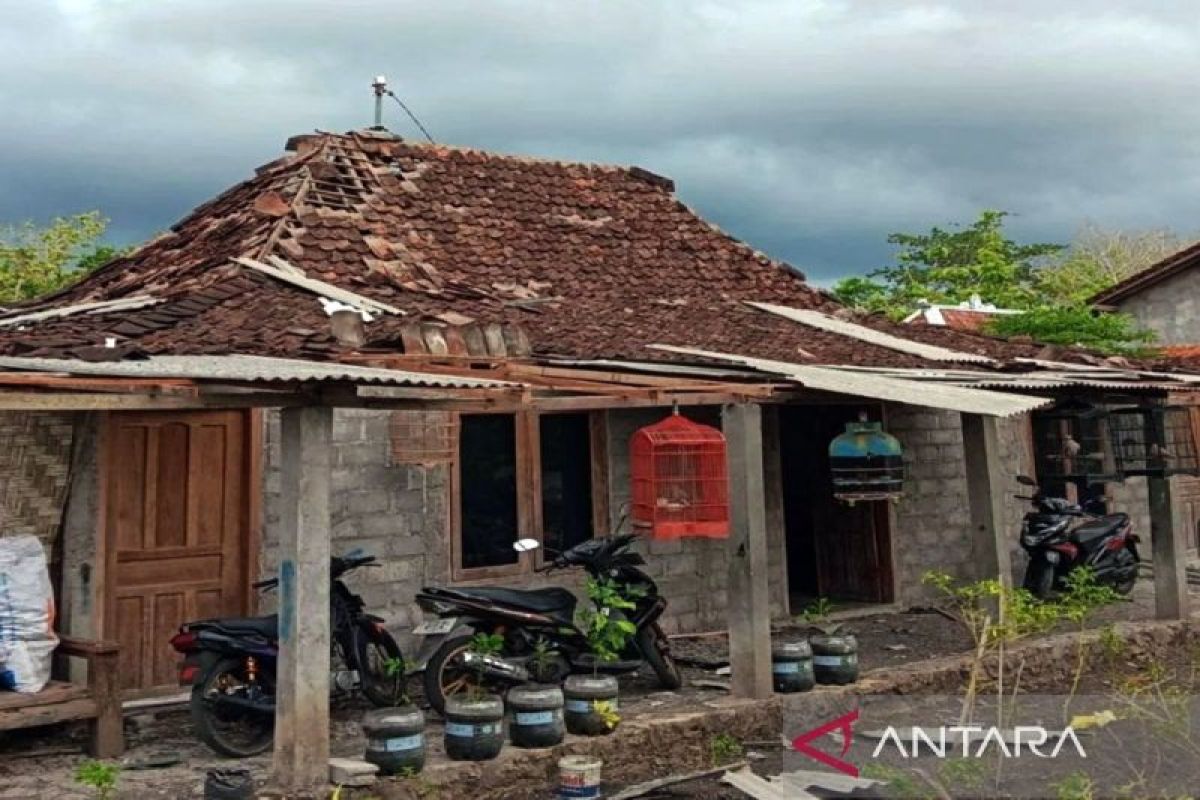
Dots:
{"x": 337, "y": 566}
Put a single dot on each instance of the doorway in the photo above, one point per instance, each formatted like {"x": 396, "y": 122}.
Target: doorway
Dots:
{"x": 177, "y": 532}
{"x": 836, "y": 551}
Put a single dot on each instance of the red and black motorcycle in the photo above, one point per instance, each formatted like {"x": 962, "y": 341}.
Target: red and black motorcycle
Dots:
{"x": 1104, "y": 543}
{"x": 230, "y": 664}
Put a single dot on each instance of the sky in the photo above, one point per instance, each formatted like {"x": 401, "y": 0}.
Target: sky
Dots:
{"x": 811, "y": 128}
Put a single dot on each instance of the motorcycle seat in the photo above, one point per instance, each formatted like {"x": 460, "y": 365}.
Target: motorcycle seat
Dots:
{"x": 263, "y": 626}
{"x": 543, "y": 601}
{"x": 1090, "y": 532}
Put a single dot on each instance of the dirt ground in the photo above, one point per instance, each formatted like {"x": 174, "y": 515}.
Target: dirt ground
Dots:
{"x": 42, "y": 762}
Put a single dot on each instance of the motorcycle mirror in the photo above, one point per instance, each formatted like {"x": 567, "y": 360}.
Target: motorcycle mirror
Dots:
{"x": 526, "y": 545}
{"x": 1025, "y": 480}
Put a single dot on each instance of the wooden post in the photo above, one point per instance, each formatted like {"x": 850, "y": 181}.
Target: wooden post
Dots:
{"x": 302, "y": 690}
{"x": 1169, "y": 553}
{"x": 749, "y": 599}
{"x": 988, "y": 492}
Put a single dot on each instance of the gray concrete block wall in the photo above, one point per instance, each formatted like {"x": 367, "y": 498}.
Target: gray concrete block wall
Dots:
{"x": 1170, "y": 308}
{"x": 397, "y": 512}
{"x": 401, "y": 514}
{"x": 932, "y": 522}
{"x": 1133, "y": 498}
{"x": 692, "y": 573}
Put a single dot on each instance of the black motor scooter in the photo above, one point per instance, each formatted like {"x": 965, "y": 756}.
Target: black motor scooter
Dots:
{"x": 1106, "y": 544}
{"x": 542, "y": 620}
{"x": 230, "y": 665}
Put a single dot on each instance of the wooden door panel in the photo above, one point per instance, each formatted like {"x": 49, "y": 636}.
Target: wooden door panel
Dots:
{"x": 177, "y": 532}
{"x": 161, "y": 659}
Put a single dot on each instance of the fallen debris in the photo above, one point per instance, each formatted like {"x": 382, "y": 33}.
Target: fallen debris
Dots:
{"x": 643, "y": 789}
{"x": 794, "y": 785}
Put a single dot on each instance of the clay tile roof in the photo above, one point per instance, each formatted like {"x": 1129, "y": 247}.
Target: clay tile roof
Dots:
{"x": 480, "y": 250}
{"x": 1173, "y": 264}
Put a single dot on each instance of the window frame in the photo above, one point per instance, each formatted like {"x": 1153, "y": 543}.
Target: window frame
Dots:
{"x": 528, "y": 459}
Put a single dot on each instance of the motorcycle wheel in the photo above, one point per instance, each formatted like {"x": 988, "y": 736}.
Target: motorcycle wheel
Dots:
{"x": 375, "y": 648}
{"x": 1126, "y": 586}
{"x": 231, "y": 732}
{"x": 657, "y": 651}
{"x": 445, "y": 675}
{"x": 1039, "y": 579}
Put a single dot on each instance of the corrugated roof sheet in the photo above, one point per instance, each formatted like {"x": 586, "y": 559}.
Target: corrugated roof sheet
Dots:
{"x": 825, "y": 322}
{"x": 253, "y": 369}
{"x": 885, "y": 387}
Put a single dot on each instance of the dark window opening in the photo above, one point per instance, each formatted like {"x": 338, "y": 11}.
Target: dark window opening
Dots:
{"x": 566, "y": 480}
{"x": 488, "y": 476}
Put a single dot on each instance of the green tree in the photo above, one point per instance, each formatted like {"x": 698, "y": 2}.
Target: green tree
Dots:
{"x": 35, "y": 260}
{"x": 1116, "y": 334}
{"x": 948, "y": 266}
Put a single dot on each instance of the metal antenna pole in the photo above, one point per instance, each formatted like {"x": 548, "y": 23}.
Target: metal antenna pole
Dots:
{"x": 380, "y": 87}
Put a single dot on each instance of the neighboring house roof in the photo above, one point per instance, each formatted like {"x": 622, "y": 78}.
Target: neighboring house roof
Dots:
{"x": 451, "y": 250}
{"x": 1171, "y": 265}
{"x": 970, "y": 315}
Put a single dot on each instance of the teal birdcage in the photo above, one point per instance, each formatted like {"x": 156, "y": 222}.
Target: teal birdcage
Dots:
{"x": 866, "y": 463}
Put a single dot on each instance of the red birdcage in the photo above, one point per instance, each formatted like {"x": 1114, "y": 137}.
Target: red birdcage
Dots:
{"x": 680, "y": 484}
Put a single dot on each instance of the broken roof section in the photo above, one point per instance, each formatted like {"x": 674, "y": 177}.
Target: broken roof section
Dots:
{"x": 451, "y": 251}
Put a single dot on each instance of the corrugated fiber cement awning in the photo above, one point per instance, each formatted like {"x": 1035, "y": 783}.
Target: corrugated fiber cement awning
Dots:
{"x": 250, "y": 369}
{"x": 879, "y": 387}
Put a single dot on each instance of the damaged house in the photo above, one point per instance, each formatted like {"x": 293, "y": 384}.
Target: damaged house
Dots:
{"x": 537, "y": 314}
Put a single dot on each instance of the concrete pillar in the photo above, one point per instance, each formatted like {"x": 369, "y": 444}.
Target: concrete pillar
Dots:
{"x": 749, "y": 599}
{"x": 1170, "y": 553}
{"x": 302, "y": 692}
{"x": 987, "y": 491}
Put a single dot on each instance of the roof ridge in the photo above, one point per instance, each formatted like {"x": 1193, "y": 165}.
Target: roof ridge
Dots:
{"x": 522, "y": 158}
{"x": 1158, "y": 271}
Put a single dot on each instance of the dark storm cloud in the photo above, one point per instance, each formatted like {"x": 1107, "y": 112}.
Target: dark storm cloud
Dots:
{"x": 809, "y": 128}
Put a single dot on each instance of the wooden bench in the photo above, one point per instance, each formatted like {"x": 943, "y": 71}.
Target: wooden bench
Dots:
{"x": 99, "y": 701}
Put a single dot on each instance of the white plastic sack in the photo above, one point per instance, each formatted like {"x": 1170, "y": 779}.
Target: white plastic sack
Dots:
{"x": 26, "y": 615}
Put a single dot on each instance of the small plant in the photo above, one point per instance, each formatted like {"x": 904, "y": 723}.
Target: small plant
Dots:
{"x": 482, "y": 645}
{"x": 101, "y": 777}
{"x": 993, "y": 615}
{"x": 395, "y": 668}
{"x": 963, "y": 772}
{"x": 544, "y": 658}
{"x": 605, "y": 626}
{"x": 1111, "y": 643}
{"x": 817, "y": 612}
{"x": 1083, "y": 596}
{"x": 725, "y": 749}
{"x": 418, "y": 784}
{"x": 606, "y": 710}
{"x": 899, "y": 783}
{"x": 1076, "y": 786}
